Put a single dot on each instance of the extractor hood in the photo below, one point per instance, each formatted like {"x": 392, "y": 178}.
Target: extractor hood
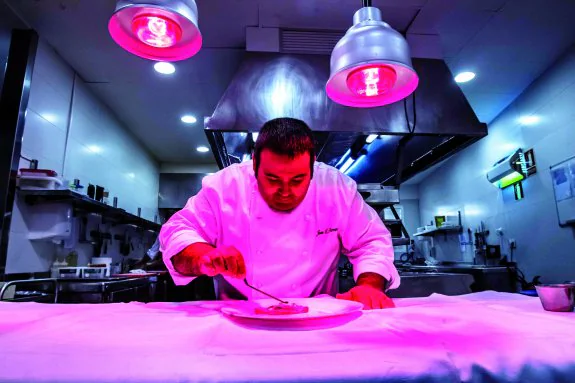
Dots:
{"x": 271, "y": 85}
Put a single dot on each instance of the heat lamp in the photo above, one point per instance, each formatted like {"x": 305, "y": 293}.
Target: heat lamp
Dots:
{"x": 161, "y": 30}
{"x": 371, "y": 65}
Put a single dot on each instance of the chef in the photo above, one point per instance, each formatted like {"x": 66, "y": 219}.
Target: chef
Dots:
{"x": 281, "y": 222}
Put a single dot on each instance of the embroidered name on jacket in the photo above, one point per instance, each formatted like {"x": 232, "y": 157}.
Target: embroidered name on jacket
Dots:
{"x": 326, "y": 231}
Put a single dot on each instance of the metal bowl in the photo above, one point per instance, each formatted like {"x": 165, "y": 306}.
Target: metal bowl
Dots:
{"x": 557, "y": 297}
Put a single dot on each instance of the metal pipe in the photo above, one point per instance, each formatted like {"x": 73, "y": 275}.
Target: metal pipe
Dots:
{"x": 366, "y": 3}
{"x": 13, "y": 102}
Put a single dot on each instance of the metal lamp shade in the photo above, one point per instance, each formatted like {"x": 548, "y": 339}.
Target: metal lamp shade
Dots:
{"x": 371, "y": 65}
{"x": 163, "y": 30}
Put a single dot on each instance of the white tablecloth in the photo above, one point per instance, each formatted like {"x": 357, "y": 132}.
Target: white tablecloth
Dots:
{"x": 477, "y": 337}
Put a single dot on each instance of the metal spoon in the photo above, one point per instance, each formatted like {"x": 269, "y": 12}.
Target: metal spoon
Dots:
{"x": 264, "y": 293}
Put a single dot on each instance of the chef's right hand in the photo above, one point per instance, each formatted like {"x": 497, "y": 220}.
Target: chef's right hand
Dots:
{"x": 224, "y": 260}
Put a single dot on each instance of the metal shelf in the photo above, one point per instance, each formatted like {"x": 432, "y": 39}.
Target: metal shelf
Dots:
{"x": 86, "y": 204}
{"x": 443, "y": 229}
{"x": 400, "y": 241}
{"x": 438, "y": 230}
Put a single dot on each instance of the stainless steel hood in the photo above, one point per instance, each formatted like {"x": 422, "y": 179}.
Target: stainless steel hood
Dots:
{"x": 270, "y": 85}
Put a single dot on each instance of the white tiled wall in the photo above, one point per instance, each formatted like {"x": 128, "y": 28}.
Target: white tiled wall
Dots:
{"x": 70, "y": 131}
{"x": 101, "y": 151}
{"x": 544, "y": 248}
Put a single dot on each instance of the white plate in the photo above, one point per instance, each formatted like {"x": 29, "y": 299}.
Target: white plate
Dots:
{"x": 323, "y": 313}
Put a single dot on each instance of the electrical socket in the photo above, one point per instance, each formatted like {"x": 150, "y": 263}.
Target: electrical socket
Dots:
{"x": 513, "y": 243}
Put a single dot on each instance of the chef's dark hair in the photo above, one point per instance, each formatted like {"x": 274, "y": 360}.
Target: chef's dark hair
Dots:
{"x": 285, "y": 136}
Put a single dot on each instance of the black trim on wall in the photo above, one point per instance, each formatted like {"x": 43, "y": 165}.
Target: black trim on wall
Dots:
{"x": 13, "y": 104}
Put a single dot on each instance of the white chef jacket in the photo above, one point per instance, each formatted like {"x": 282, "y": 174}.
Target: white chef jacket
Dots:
{"x": 293, "y": 254}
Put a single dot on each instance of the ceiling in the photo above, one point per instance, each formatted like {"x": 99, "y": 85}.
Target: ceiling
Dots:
{"x": 508, "y": 43}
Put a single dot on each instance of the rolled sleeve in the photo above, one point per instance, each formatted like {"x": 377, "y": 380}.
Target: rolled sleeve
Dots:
{"x": 196, "y": 222}
{"x": 367, "y": 242}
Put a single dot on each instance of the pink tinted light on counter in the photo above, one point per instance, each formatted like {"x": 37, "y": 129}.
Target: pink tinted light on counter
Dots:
{"x": 340, "y": 87}
{"x": 372, "y": 80}
{"x": 508, "y": 337}
{"x": 159, "y": 32}
{"x": 180, "y": 40}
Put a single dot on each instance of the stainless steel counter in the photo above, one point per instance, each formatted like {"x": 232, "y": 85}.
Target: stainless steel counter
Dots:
{"x": 414, "y": 284}
{"x": 106, "y": 290}
{"x": 496, "y": 278}
{"x": 447, "y": 279}
{"x": 422, "y": 284}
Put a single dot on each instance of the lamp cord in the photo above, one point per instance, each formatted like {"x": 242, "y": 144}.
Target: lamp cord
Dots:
{"x": 410, "y": 129}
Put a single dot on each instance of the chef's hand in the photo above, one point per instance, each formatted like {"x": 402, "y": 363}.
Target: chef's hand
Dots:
{"x": 224, "y": 260}
{"x": 369, "y": 291}
{"x": 371, "y": 297}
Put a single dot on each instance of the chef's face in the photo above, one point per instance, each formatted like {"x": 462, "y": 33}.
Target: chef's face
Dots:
{"x": 283, "y": 181}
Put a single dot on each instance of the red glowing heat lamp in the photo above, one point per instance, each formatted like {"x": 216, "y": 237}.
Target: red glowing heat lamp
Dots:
{"x": 371, "y": 65}
{"x": 161, "y": 30}
{"x": 372, "y": 80}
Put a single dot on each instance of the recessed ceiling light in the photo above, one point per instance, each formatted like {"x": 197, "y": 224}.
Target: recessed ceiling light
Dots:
{"x": 464, "y": 77}
{"x": 50, "y": 117}
{"x": 371, "y": 138}
{"x": 188, "y": 119}
{"x": 202, "y": 149}
{"x": 164, "y": 67}
{"x": 94, "y": 149}
{"x": 529, "y": 120}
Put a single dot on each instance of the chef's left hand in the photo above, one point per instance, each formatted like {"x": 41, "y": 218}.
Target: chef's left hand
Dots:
{"x": 371, "y": 297}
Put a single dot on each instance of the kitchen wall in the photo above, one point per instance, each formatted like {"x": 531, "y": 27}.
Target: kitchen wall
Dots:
{"x": 70, "y": 131}
{"x": 179, "y": 167}
{"x": 543, "y": 248}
